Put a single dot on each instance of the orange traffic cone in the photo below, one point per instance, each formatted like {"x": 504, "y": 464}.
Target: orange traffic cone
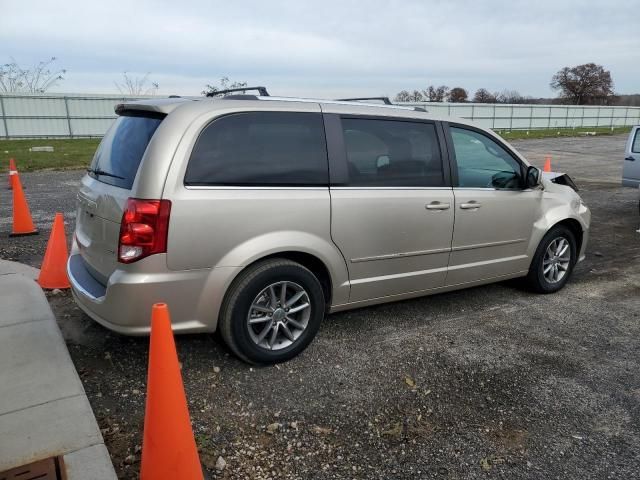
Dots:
{"x": 22, "y": 223}
{"x": 547, "y": 163}
{"x": 168, "y": 447}
{"x": 13, "y": 171}
{"x": 53, "y": 273}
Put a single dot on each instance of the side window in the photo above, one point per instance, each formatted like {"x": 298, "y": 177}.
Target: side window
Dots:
{"x": 261, "y": 149}
{"x": 392, "y": 153}
{"x": 635, "y": 147}
{"x": 483, "y": 163}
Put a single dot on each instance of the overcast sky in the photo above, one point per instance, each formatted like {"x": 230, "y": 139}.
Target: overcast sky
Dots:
{"x": 328, "y": 48}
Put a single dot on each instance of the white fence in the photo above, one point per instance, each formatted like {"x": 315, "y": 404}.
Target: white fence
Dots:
{"x": 532, "y": 117}
{"x": 68, "y": 116}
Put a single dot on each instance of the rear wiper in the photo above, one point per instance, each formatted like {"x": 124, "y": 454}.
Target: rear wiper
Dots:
{"x": 97, "y": 171}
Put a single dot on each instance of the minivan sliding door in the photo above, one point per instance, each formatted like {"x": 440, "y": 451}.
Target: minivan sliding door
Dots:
{"x": 391, "y": 204}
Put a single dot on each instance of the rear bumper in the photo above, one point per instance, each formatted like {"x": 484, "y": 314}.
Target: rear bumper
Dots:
{"x": 124, "y": 304}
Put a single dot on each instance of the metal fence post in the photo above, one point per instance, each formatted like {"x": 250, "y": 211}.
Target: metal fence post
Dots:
{"x": 511, "y": 119}
{"x": 626, "y": 117}
{"x": 530, "y": 117}
{"x": 66, "y": 107}
{"x": 4, "y": 118}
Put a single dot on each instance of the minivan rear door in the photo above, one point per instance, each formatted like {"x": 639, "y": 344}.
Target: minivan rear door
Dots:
{"x": 106, "y": 187}
{"x": 631, "y": 166}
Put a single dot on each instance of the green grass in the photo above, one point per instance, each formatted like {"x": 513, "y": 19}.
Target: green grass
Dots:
{"x": 67, "y": 154}
{"x": 78, "y": 152}
{"x": 560, "y": 132}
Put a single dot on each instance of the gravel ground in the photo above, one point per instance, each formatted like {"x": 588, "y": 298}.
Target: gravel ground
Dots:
{"x": 490, "y": 382}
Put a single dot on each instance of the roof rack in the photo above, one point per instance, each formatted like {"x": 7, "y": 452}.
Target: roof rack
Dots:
{"x": 384, "y": 100}
{"x": 261, "y": 90}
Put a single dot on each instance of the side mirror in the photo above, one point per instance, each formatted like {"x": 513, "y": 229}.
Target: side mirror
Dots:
{"x": 533, "y": 177}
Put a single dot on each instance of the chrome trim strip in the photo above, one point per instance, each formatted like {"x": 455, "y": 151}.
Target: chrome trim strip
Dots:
{"x": 276, "y": 187}
{"x": 493, "y": 189}
{"x": 257, "y": 187}
{"x": 398, "y": 275}
{"x": 400, "y": 255}
{"x": 490, "y": 244}
{"x": 486, "y": 262}
{"x": 444, "y": 189}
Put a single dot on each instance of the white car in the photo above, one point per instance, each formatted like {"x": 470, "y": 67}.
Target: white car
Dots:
{"x": 631, "y": 167}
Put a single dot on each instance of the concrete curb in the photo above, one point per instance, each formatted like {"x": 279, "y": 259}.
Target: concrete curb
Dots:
{"x": 44, "y": 410}
{"x": 7, "y": 268}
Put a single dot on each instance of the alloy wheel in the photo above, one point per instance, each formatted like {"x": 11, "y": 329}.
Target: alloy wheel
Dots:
{"x": 556, "y": 261}
{"x": 278, "y": 315}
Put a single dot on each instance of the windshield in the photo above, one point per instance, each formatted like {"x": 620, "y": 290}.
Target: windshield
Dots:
{"x": 119, "y": 154}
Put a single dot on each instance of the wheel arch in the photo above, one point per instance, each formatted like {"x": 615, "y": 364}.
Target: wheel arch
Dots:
{"x": 552, "y": 219}
{"x": 575, "y": 227}
{"x": 311, "y": 262}
{"x": 318, "y": 254}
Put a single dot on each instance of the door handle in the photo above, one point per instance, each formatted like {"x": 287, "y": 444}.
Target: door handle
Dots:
{"x": 437, "y": 206}
{"x": 630, "y": 159}
{"x": 472, "y": 205}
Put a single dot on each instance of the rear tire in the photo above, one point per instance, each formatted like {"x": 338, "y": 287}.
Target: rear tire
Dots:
{"x": 255, "y": 306}
{"x": 553, "y": 261}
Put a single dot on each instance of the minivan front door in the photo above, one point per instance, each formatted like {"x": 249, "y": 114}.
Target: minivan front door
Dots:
{"x": 392, "y": 212}
{"x": 494, "y": 216}
{"x": 631, "y": 166}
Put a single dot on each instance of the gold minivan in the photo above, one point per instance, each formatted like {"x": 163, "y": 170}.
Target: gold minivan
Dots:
{"x": 258, "y": 215}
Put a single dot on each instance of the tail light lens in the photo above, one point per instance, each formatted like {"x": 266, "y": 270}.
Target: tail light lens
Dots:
{"x": 144, "y": 229}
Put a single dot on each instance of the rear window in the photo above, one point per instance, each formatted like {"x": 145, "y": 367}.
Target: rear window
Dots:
{"x": 261, "y": 148}
{"x": 118, "y": 157}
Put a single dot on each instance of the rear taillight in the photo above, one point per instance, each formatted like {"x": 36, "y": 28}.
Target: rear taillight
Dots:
{"x": 143, "y": 230}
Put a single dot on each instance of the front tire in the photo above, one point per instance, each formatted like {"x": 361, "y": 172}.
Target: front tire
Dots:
{"x": 553, "y": 261}
{"x": 272, "y": 311}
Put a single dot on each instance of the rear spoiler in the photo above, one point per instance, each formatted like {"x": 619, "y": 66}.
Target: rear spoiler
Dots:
{"x": 160, "y": 107}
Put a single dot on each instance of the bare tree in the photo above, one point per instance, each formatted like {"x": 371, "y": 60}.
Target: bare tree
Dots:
{"x": 458, "y": 95}
{"x": 416, "y": 96}
{"x": 483, "y": 95}
{"x": 224, "y": 84}
{"x": 436, "y": 94}
{"x": 402, "y": 96}
{"x": 35, "y": 79}
{"x": 584, "y": 84}
{"x": 137, "y": 85}
{"x": 509, "y": 96}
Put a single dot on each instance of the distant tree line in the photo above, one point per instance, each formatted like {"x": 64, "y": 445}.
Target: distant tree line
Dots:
{"x": 587, "y": 84}
{"x": 461, "y": 95}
